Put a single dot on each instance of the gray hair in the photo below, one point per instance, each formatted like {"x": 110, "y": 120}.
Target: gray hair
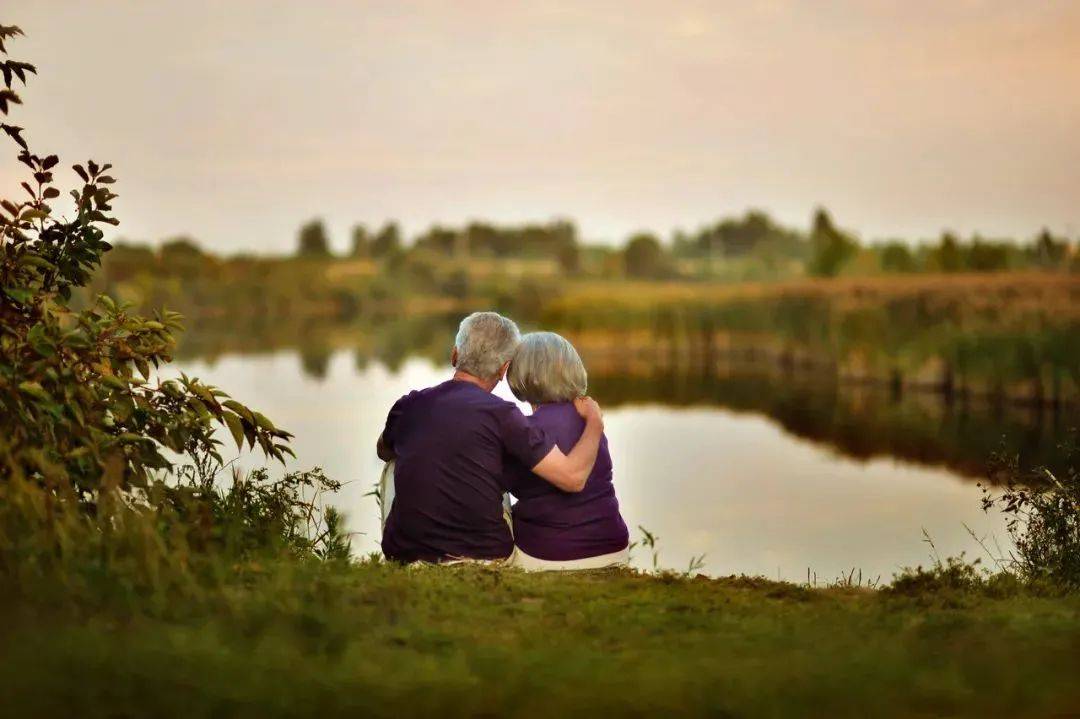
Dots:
{"x": 546, "y": 368}
{"x": 485, "y": 342}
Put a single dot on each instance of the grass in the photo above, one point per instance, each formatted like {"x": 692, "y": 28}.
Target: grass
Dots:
{"x": 373, "y": 639}
{"x": 1004, "y": 336}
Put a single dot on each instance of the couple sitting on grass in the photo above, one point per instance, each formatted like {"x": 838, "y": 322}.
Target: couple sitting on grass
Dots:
{"x": 456, "y": 452}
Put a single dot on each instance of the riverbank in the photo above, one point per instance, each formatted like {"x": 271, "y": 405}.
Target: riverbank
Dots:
{"x": 379, "y": 640}
{"x": 991, "y": 338}
{"x": 994, "y": 337}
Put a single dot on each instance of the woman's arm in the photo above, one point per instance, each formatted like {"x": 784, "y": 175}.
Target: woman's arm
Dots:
{"x": 570, "y": 472}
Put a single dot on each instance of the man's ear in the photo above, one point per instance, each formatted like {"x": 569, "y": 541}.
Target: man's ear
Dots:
{"x": 502, "y": 370}
{"x": 453, "y": 357}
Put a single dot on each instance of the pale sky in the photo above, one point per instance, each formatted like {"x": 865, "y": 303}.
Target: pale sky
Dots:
{"x": 236, "y": 121}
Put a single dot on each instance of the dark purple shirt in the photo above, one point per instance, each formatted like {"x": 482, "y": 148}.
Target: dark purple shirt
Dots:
{"x": 559, "y": 526}
{"x": 452, "y": 443}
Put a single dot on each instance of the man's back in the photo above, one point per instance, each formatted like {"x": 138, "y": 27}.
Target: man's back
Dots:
{"x": 450, "y": 442}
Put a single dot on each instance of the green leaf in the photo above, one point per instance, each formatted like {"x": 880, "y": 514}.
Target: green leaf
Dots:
{"x": 76, "y": 339}
{"x": 262, "y": 421}
{"x": 143, "y": 366}
{"x": 203, "y": 394}
{"x": 250, "y": 433}
{"x": 240, "y": 410}
{"x": 35, "y": 390}
{"x": 19, "y": 294}
{"x": 199, "y": 406}
{"x": 40, "y": 341}
{"x": 115, "y": 382}
{"x": 33, "y": 214}
{"x": 236, "y": 428}
{"x": 36, "y": 261}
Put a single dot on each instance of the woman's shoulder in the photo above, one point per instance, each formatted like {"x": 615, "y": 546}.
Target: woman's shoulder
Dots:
{"x": 557, "y": 414}
{"x": 560, "y": 422}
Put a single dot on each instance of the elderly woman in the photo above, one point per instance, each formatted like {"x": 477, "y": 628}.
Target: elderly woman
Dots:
{"x": 553, "y": 529}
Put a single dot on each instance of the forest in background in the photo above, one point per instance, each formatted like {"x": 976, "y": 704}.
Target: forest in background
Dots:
{"x": 994, "y": 319}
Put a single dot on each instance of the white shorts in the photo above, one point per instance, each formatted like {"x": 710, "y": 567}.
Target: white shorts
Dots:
{"x": 521, "y": 560}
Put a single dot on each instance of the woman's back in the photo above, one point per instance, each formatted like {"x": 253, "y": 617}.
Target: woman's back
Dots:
{"x": 554, "y": 525}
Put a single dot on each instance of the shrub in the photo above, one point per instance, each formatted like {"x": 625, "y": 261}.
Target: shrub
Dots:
{"x": 1043, "y": 518}
{"x": 89, "y": 435}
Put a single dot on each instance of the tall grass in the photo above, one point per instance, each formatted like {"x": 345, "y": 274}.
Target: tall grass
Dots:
{"x": 1015, "y": 336}
{"x": 176, "y": 541}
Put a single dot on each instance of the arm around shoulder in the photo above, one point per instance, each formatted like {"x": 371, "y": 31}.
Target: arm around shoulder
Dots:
{"x": 570, "y": 472}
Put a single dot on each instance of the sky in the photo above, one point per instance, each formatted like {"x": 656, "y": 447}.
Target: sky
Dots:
{"x": 236, "y": 121}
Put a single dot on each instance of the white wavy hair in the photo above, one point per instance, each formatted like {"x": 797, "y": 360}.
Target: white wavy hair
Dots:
{"x": 547, "y": 368}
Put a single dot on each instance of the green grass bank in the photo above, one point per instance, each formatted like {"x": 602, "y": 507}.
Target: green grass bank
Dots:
{"x": 372, "y": 639}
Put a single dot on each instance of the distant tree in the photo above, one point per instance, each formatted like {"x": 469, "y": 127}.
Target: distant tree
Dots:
{"x": 896, "y": 256}
{"x": 313, "y": 241}
{"x": 1049, "y": 251}
{"x": 831, "y": 249}
{"x": 387, "y": 241}
{"x": 738, "y": 237}
{"x": 563, "y": 235}
{"x": 985, "y": 256}
{"x": 361, "y": 242}
{"x": 683, "y": 245}
{"x": 949, "y": 256}
{"x": 569, "y": 257}
{"x": 178, "y": 248}
{"x": 439, "y": 239}
{"x": 482, "y": 238}
{"x": 644, "y": 256}
{"x": 184, "y": 259}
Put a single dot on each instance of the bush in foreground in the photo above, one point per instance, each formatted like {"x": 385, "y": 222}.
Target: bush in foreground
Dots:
{"x": 109, "y": 474}
{"x": 1043, "y": 519}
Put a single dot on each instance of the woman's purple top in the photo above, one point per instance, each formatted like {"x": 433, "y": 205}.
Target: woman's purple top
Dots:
{"x": 559, "y": 526}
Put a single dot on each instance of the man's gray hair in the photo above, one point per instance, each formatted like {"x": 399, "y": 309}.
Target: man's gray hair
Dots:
{"x": 485, "y": 342}
{"x": 546, "y": 368}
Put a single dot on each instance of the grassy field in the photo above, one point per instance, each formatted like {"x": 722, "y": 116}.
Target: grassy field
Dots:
{"x": 380, "y": 640}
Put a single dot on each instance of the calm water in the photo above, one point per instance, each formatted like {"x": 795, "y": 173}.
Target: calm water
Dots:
{"x": 759, "y": 484}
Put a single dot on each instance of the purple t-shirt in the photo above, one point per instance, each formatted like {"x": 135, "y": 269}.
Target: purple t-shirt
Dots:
{"x": 452, "y": 443}
{"x": 559, "y": 526}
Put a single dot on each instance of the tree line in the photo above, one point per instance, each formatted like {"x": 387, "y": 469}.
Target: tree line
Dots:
{"x": 753, "y": 241}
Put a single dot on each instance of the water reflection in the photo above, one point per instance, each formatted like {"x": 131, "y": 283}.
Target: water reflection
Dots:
{"x": 859, "y": 421}
{"x": 736, "y": 486}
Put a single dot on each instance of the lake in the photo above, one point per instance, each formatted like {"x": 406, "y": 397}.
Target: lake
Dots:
{"x": 760, "y": 474}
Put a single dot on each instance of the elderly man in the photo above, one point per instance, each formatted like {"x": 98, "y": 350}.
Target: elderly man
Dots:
{"x": 449, "y": 443}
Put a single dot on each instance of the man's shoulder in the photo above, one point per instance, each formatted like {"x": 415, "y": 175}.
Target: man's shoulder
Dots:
{"x": 459, "y": 395}
{"x": 421, "y": 394}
